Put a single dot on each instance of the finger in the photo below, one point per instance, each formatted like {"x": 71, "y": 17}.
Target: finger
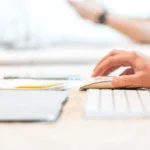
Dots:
{"x": 128, "y": 81}
{"x": 128, "y": 71}
{"x": 124, "y": 59}
{"x": 112, "y": 53}
{"x": 109, "y": 71}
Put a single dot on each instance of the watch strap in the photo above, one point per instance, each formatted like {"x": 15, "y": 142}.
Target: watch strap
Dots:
{"x": 103, "y": 17}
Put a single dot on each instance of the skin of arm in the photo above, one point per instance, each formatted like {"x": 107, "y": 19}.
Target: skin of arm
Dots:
{"x": 136, "y": 29}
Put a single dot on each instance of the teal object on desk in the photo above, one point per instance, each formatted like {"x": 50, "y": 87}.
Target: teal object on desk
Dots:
{"x": 74, "y": 78}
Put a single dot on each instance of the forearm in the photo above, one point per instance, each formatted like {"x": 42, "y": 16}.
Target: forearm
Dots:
{"x": 137, "y": 30}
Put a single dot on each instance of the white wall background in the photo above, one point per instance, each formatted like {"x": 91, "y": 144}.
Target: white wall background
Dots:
{"x": 37, "y": 23}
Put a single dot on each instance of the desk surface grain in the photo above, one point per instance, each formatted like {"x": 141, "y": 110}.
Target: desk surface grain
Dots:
{"x": 73, "y": 132}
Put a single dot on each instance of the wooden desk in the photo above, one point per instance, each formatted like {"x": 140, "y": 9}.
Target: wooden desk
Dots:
{"x": 72, "y": 132}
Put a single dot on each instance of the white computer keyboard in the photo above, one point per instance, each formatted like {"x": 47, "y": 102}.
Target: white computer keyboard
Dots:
{"x": 117, "y": 103}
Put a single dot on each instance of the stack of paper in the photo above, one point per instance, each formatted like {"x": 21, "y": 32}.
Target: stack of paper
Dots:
{"x": 27, "y": 84}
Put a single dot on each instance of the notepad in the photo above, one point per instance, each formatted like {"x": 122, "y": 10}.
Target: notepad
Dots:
{"x": 29, "y": 84}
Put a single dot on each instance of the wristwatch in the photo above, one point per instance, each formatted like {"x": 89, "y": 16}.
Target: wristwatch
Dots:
{"x": 103, "y": 17}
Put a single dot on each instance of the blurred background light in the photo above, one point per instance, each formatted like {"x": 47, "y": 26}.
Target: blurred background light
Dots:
{"x": 43, "y": 23}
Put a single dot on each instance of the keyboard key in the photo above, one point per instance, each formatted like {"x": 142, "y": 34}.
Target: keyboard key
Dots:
{"x": 92, "y": 101}
{"x": 134, "y": 101}
{"x": 145, "y": 98}
{"x": 106, "y": 101}
{"x": 121, "y": 104}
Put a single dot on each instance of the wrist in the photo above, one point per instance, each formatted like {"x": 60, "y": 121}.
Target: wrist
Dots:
{"x": 102, "y": 18}
{"x": 109, "y": 19}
